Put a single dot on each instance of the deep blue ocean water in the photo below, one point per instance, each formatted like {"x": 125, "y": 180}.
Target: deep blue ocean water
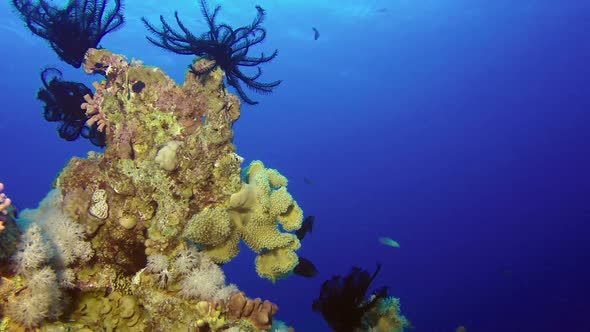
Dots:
{"x": 459, "y": 128}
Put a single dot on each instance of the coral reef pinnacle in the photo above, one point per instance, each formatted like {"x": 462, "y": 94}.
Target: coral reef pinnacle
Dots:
{"x": 117, "y": 237}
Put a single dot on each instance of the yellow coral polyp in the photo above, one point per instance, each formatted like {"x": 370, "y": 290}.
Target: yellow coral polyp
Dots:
{"x": 276, "y": 264}
{"x": 252, "y": 215}
{"x": 276, "y": 179}
{"x": 244, "y": 199}
{"x": 254, "y": 167}
{"x": 280, "y": 201}
{"x": 260, "y": 181}
{"x": 210, "y": 227}
{"x": 227, "y": 250}
{"x": 292, "y": 219}
{"x": 259, "y": 238}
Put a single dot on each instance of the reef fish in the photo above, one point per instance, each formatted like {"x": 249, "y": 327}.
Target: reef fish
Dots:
{"x": 307, "y": 227}
{"x": 389, "y": 242}
{"x": 316, "y": 34}
{"x": 305, "y": 268}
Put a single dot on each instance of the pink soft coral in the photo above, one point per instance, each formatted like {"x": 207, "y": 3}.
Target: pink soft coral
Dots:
{"x": 5, "y": 203}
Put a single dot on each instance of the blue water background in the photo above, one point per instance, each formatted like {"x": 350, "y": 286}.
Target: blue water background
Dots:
{"x": 460, "y": 128}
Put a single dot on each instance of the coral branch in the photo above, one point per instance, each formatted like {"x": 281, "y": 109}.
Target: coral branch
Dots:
{"x": 92, "y": 107}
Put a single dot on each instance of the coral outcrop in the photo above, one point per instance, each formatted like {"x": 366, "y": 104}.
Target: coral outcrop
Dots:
{"x": 130, "y": 238}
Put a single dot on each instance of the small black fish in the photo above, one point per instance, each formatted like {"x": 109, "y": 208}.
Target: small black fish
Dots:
{"x": 138, "y": 86}
{"x": 305, "y": 268}
{"x": 308, "y": 181}
{"x": 307, "y": 227}
{"x": 316, "y": 34}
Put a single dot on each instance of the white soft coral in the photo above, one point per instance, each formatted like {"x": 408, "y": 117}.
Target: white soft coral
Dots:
{"x": 65, "y": 235}
{"x": 205, "y": 281}
{"x": 186, "y": 261}
{"x": 41, "y": 299}
{"x": 32, "y": 251}
{"x": 158, "y": 264}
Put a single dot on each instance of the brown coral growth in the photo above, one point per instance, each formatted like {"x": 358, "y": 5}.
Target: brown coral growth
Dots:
{"x": 257, "y": 312}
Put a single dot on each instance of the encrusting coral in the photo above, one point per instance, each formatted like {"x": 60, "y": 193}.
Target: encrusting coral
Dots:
{"x": 117, "y": 237}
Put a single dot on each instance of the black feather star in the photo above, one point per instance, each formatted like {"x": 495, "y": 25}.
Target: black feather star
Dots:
{"x": 71, "y": 30}
{"x": 343, "y": 302}
{"x": 62, "y": 101}
{"x": 222, "y": 45}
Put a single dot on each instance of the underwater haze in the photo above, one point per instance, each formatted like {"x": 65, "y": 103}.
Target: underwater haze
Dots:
{"x": 460, "y": 129}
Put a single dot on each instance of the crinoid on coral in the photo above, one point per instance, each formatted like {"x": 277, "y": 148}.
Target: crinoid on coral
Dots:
{"x": 63, "y": 100}
{"x": 344, "y": 305}
{"x": 223, "y": 46}
{"x": 71, "y": 30}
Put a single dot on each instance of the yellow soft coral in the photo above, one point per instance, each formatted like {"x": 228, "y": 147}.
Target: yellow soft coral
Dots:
{"x": 276, "y": 264}
{"x": 255, "y": 212}
{"x": 210, "y": 227}
{"x": 291, "y": 219}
